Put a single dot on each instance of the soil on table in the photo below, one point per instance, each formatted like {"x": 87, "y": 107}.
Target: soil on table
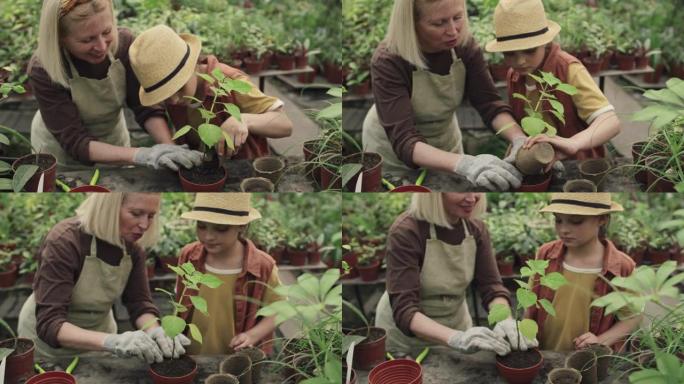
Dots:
{"x": 374, "y": 334}
{"x": 204, "y": 174}
{"x": 519, "y": 359}
{"x": 44, "y": 163}
{"x": 22, "y": 346}
{"x": 174, "y": 367}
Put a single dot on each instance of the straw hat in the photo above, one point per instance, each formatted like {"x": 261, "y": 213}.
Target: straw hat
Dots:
{"x": 586, "y": 204}
{"x": 520, "y": 25}
{"x": 223, "y": 209}
{"x": 163, "y": 62}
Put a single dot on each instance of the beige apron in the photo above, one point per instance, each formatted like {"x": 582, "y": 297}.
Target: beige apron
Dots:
{"x": 444, "y": 279}
{"x": 100, "y": 104}
{"x": 434, "y": 101}
{"x": 92, "y": 298}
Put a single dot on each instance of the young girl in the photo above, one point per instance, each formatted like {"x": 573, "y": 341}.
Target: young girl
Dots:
{"x": 581, "y": 254}
{"x": 167, "y": 65}
{"x": 525, "y": 36}
{"x": 222, "y": 251}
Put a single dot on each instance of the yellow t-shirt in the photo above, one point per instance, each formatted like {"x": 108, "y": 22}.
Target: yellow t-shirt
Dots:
{"x": 255, "y": 101}
{"x": 218, "y": 329}
{"x": 589, "y": 100}
{"x": 572, "y": 303}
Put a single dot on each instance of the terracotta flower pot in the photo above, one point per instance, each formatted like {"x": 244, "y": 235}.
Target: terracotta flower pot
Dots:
{"x": 641, "y": 62}
{"x": 267, "y": 60}
{"x": 314, "y": 255}
{"x": 371, "y": 351}
{"x": 190, "y": 186}
{"x": 372, "y": 171}
{"x": 654, "y": 182}
{"x": 278, "y": 254}
{"x": 297, "y": 257}
{"x": 47, "y": 165}
{"x": 256, "y": 184}
{"x": 595, "y": 170}
{"x": 54, "y": 377}
{"x": 637, "y": 255}
{"x": 333, "y": 73}
{"x": 256, "y": 356}
{"x": 301, "y": 60}
{"x": 19, "y": 366}
{"x": 564, "y": 376}
{"x": 269, "y": 167}
{"x": 639, "y": 160}
{"x": 625, "y": 62}
{"x": 369, "y": 272}
{"x": 585, "y": 362}
{"x": 411, "y": 188}
{"x": 592, "y": 65}
{"x": 187, "y": 378}
{"x": 362, "y": 88}
{"x": 238, "y": 365}
{"x": 9, "y": 276}
{"x": 252, "y": 66}
{"x": 519, "y": 375}
{"x": 285, "y": 62}
{"x": 658, "y": 256}
{"x": 603, "y": 356}
{"x": 505, "y": 268}
{"x": 330, "y": 179}
{"x": 221, "y": 378}
{"x": 537, "y": 183}
{"x": 353, "y": 377}
{"x": 654, "y": 77}
{"x": 579, "y": 185}
{"x": 395, "y": 372}
{"x": 90, "y": 188}
{"x": 534, "y": 160}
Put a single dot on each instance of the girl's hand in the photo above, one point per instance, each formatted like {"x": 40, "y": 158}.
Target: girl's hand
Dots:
{"x": 242, "y": 340}
{"x": 585, "y": 340}
{"x": 564, "y": 147}
{"x": 237, "y": 131}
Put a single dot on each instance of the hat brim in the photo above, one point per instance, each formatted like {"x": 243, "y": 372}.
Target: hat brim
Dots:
{"x": 177, "y": 82}
{"x": 569, "y": 209}
{"x": 222, "y": 219}
{"x": 525, "y": 43}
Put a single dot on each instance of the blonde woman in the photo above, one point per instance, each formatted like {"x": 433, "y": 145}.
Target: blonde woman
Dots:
{"x": 86, "y": 263}
{"x": 82, "y": 80}
{"x": 435, "y": 250}
{"x": 427, "y": 64}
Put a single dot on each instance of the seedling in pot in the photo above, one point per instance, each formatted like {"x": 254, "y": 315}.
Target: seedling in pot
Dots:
{"x": 535, "y": 270}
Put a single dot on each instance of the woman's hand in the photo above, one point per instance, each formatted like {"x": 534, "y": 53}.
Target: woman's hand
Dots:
{"x": 134, "y": 343}
{"x": 242, "y": 340}
{"x": 564, "y": 148}
{"x": 508, "y": 329}
{"x": 476, "y": 339}
{"x": 585, "y": 340}
{"x": 237, "y": 131}
{"x": 172, "y": 349}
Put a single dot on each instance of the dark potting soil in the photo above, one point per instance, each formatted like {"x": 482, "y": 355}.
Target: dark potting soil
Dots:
{"x": 43, "y": 162}
{"x": 534, "y": 179}
{"x": 374, "y": 334}
{"x": 22, "y": 346}
{"x": 519, "y": 359}
{"x": 368, "y": 161}
{"x": 204, "y": 174}
{"x": 174, "y": 367}
{"x": 564, "y": 380}
{"x": 258, "y": 188}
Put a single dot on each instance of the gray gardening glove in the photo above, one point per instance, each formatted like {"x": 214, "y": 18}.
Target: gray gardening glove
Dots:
{"x": 558, "y": 169}
{"x": 488, "y": 171}
{"x": 478, "y": 338}
{"x": 170, "y": 348}
{"x": 517, "y": 143}
{"x": 167, "y": 155}
{"x": 507, "y": 329}
{"x": 134, "y": 343}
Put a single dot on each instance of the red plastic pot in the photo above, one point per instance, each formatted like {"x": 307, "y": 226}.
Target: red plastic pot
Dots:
{"x": 625, "y": 62}
{"x": 90, "y": 188}
{"x": 505, "y": 269}
{"x": 538, "y": 187}
{"x": 592, "y": 65}
{"x": 396, "y": 371}
{"x": 185, "y": 379}
{"x": 520, "y": 375}
{"x": 637, "y": 255}
{"x": 278, "y": 254}
{"x": 368, "y": 354}
{"x": 654, "y": 77}
{"x": 267, "y": 60}
{"x": 411, "y": 188}
{"x": 189, "y": 186}
{"x": 655, "y": 183}
{"x": 252, "y": 66}
{"x": 301, "y": 60}
{"x": 372, "y": 177}
{"x": 329, "y": 179}
{"x": 333, "y": 73}
{"x": 361, "y": 88}
{"x": 297, "y": 257}
{"x": 149, "y": 269}
{"x": 20, "y": 366}
{"x": 285, "y": 62}
{"x": 369, "y": 272}
{"x": 55, "y": 377}
{"x": 641, "y": 62}
{"x": 314, "y": 255}
{"x": 50, "y": 173}
{"x": 307, "y": 78}
{"x": 658, "y": 256}
{"x": 637, "y": 148}
{"x": 9, "y": 277}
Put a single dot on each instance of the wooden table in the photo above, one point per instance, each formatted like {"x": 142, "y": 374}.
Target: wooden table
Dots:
{"x": 261, "y": 76}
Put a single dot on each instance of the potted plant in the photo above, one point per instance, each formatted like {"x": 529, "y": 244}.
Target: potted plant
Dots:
{"x": 505, "y": 263}
{"x": 211, "y": 175}
{"x": 597, "y": 46}
{"x": 519, "y": 366}
{"x": 183, "y": 369}
{"x": 369, "y": 349}
{"x": 323, "y": 154}
{"x": 368, "y": 264}
{"x": 18, "y": 356}
{"x": 8, "y": 270}
{"x": 367, "y": 165}
{"x": 254, "y": 40}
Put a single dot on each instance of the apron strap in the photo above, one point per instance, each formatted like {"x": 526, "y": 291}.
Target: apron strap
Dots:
{"x": 466, "y": 232}
{"x": 433, "y": 232}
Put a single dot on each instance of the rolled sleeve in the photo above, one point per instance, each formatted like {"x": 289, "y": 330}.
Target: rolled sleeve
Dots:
{"x": 136, "y": 295}
{"x": 487, "y": 278}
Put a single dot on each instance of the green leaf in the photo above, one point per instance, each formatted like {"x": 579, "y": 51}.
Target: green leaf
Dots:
{"x": 309, "y": 283}
{"x": 557, "y": 105}
{"x": 181, "y": 132}
{"x": 206, "y": 115}
{"x": 332, "y": 111}
{"x": 497, "y": 313}
{"x": 333, "y": 369}
{"x": 218, "y": 74}
{"x": 548, "y": 307}
{"x": 188, "y": 268}
{"x": 528, "y": 328}
{"x": 520, "y": 96}
{"x": 525, "y": 297}
{"x": 553, "y": 280}
{"x": 567, "y": 89}
{"x": 177, "y": 270}
{"x": 210, "y": 134}
{"x": 180, "y": 308}
{"x": 335, "y": 92}
{"x": 5, "y": 184}
{"x": 522, "y": 284}
{"x": 4, "y": 167}
{"x": 347, "y": 171}
{"x": 536, "y": 78}
{"x": 195, "y": 333}
{"x": 328, "y": 279}
{"x": 532, "y": 126}
{"x": 550, "y": 78}
{"x": 200, "y": 304}
{"x": 210, "y": 281}
{"x": 538, "y": 266}
{"x": 334, "y": 297}
{"x": 240, "y": 86}
{"x": 283, "y": 309}
{"x": 206, "y": 78}
{"x": 228, "y": 139}
{"x": 173, "y": 325}
{"x": 4, "y": 139}
{"x": 647, "y": 376}
{"x": 526, "y": 272}
{"x": 22, "y": 175}
{"x": 233, "y": 110}
{"x": 664, "y": 96}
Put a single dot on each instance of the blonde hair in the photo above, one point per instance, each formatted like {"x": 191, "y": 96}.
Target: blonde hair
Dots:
{"x": 99, "y": 216}
{"x": 53, "y": 29}
{"x": 430, "y": 207}
{"x": 402, "y": 39}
